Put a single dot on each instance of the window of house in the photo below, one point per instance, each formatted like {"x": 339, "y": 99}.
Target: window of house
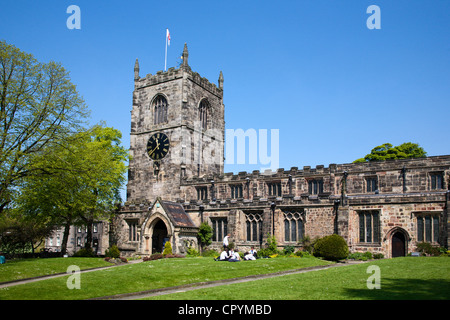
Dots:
{"x": 94, "y": 227}
{"x": 315, "y": 186}
{"x": 79, "y": 241}
{"x": 133, "y": 234}
{"x": 428, "y": 228}
{"x": 274, "y": 189}
{"x": 236, "y": 191}
{"x": 437, "y": 180}
{"x": 159, "y": 110}
{"x": 254, "y": 222}
{"x": 203, "y": 111}
{"x": 369, "y": 226}
{"x": 294, "y": 228}
{"x": 371, "y": 184}
{"x": 202, "y": 193}
{"x": 220, "y": 228}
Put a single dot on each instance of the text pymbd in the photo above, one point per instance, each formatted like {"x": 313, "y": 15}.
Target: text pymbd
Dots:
{"x": 246, "y": 309}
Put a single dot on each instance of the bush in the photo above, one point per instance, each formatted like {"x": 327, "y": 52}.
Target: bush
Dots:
{"x": 427, "y": 249}
{"x": 331, "y": 247}
{"x": 288, "y": 250}
{"x": 167, "y": 248}
{"x": 192, "y": 252}
{"x": 378, "y": 256}
{"x": 85, "y": 252}
{"x": 112, "y": 252}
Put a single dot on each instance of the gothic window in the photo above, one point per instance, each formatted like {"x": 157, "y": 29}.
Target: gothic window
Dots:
{"x": 219, "y": 226}
{"x": 236, "y": 191}
{"x": 160, "y": 110}
{"x": 437, "y": 180}
{"x": 203, "y": 111}
{"x": 202, "y": 193}
{"x": 294, "y": 228}
{"x": 371, "y": 184}
{"x": 274, "y": 189}
{"x": 315, "y": 186}
{"x": 369, "y": 226}
{"x": 427, "y": 228}
{"x": 254, "y": 222}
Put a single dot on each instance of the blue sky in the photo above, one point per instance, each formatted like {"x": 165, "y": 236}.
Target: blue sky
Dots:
{"x": 311, "y": 69}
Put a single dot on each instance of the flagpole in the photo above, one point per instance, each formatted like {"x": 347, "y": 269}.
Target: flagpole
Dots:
{"x": 165, "y": 57}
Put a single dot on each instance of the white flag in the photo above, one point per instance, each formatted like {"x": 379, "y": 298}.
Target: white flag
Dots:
{"x": 168, "y": 36}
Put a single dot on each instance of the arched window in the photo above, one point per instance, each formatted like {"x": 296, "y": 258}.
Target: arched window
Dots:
{"x": 160, "y": 110}
{"x": 294, "y": 228}
{"x": 203, "y": 111}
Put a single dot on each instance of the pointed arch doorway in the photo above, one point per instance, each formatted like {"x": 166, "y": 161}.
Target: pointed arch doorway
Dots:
{"x": 398, "y": 244}
{"x": 159, "y": 236}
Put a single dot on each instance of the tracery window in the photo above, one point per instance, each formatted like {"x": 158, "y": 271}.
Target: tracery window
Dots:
{"x": 159, "y": 110}
{"x": 294, "y": 227}
{"x": 254, "y": 223}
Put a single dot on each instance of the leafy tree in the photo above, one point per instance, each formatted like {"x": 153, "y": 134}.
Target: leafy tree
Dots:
{"x": 39, "y": 107}
{"x": 82, "y": 180}
{"x": 204, "y": 235}
{"x": 386, "y": 151}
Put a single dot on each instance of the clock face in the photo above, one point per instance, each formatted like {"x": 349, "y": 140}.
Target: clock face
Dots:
{"x": 158, "y": 146}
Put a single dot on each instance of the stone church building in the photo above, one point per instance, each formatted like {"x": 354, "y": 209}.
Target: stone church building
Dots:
{"x": 176, "y": 180}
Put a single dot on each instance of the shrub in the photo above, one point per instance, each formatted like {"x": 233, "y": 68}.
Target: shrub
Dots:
{"x": 427, "y": 249}
{"x": 192, "y": 252}
{"x": 112, "y": 252}
{"x": 378, "y": 256}
{"x": 85, "y": 252}
{"x": 302, "y": 254}
{"x": 287, "y": 250}
{"x": 167, "y": 248}
{"x": 331, "y": 247}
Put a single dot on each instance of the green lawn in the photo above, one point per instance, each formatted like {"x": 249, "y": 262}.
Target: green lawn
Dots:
{"x": 151, "y": 275}
{"x": 28, "y": 268}
{"x": 406, "y": 278}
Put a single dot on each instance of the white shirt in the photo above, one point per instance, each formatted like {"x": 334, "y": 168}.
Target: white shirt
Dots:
{"x": 223, "y": 255}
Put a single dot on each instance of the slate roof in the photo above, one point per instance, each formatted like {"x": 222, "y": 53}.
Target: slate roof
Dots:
{"x": 177, "y": 215}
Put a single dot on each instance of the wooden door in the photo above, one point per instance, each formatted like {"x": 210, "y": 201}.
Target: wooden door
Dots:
{"x": 398, "y": 245}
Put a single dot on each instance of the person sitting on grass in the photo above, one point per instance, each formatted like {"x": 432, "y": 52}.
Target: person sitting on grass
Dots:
{"x": 249, "y": 256}
{"x": 234, "y": 256}
{"x": 254, "y": 252}
{"x": 224, "y": 256}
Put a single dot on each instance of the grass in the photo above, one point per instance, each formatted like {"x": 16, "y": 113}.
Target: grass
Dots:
{"x": 408, "y": 278}
{"x": 151, "y": 275}
{"x": 28, "y": 268}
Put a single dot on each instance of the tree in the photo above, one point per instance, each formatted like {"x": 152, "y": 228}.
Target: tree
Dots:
{"x": 39, "y": 107}
{"x": 386, "y": 151}
{"x": 204, "y": 235}
{"x": 82, "y": 180}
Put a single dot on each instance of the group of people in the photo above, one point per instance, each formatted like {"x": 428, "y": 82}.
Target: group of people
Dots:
{"x": 233, "y": 256}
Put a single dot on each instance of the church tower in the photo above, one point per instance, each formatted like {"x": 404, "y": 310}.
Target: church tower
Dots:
{"x": 177, "y": 131}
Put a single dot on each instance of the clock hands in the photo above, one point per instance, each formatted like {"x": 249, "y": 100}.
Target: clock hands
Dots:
{"x": 157, "y": 147}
